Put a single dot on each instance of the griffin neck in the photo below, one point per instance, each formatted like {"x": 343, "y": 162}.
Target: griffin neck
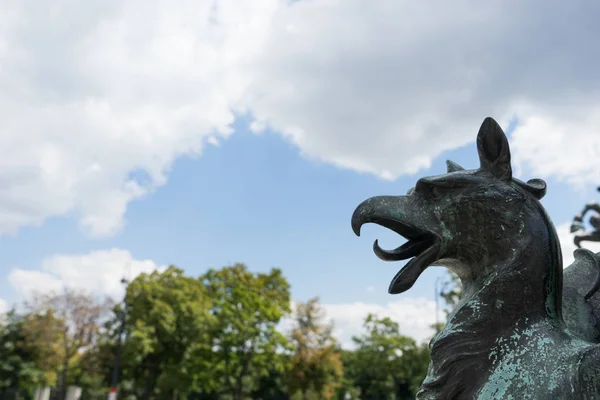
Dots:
{"x": 505, "y": 296}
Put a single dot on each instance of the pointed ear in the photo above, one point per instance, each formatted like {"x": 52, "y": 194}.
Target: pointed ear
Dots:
{"x": 453, "y": 167}
{"x": 494, "y": 153}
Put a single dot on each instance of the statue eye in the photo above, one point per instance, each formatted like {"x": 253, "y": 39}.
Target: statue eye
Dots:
{"x": 437, "y": 191}
{"x": 437, "y": 188}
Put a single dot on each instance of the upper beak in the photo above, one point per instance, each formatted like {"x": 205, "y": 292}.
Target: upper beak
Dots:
{"x": 404, "y": 215}
{"x": 394, "y": 212}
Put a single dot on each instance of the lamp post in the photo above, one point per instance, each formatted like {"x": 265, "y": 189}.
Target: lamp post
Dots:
{"x": 112, "y": 394}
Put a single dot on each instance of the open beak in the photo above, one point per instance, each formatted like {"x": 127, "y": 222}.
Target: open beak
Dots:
{"x": 402, "y": 215}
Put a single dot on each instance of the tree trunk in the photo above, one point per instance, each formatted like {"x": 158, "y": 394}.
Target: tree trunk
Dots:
{"x": 239, "y": 390}
{"x": 150, "y": 378}
{"x": 239, "y": 387}
{"x": 62, "y": 393}
{"x": 146, "y": 395}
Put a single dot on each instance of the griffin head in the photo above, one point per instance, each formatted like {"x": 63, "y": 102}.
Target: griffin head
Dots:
{"x": 458, "y": 219}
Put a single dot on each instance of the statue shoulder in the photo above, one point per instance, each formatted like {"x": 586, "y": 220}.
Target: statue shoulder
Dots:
{"x": 589, "y": 373}
{"x": 581, "y": 297}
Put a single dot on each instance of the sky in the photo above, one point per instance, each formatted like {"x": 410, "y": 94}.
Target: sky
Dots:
{"x": 135, "y": 135}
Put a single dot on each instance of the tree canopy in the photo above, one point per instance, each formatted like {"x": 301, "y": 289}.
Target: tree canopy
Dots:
{"x": 217, "y": 336}
{"x": 316, "y": 368}
{"x": 245, "y": 342}
{"x": 386, "y": 364}
{"x": 168, "y": 319}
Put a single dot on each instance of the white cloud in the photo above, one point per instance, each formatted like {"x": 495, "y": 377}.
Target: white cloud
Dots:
{"x": 565, "y": 145}
{"x": 94, "y": 91}
{"x": 98, "y": 272}
{"x": 385, "y": 88}
{"x": 3, "y": 306}
{"x": 567, "y": 245}
{"x": 414, "y": 315}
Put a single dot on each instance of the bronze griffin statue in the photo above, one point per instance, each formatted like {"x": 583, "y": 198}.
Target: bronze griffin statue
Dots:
{"x": 524, "y": 328}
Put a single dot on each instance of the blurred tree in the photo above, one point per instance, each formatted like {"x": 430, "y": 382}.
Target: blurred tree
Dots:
{"x": 348, "y": 389}
{"x": 316, "y": 369}
{"x": 271, "y": 386}
{"x": 18, "y": 358}
{"x": 245, "y": 344}
{"x": 42, "y": 331}
{"x": 386, "y": 364}
{"x": 64, "y": 324}
{"x": 168, "y": 319}
{"x": 92, "y": 369}
{"x": 413, "y": 369}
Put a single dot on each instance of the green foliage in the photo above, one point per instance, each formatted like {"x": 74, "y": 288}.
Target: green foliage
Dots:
{"x": 245, "y": 343}
{"x": 18, "y": 366}
{"x": 271, "y": 386}
{"x": 42, "y": 332}
{"x": 386, "y": 364}
{"x": 316, "y": 369}
{"x": 214, "y": 337}
{"x": 92, "y": 369}
{"x": 62, "y": 325}
{"x": 168, "y": 319}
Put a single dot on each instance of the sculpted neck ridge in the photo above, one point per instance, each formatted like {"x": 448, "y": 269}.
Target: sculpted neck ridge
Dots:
{"x": 492, "y": 307}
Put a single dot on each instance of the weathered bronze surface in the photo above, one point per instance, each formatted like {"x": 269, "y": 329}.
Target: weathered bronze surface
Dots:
{"x": 507, "y": 338}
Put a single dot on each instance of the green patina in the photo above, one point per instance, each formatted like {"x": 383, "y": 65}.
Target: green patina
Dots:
{"x": 528, "y": 361}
